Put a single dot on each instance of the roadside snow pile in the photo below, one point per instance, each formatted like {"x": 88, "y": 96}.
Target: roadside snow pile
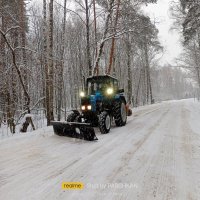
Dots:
{"x": 39, "y": 122}
{"x": 45, "y": 132}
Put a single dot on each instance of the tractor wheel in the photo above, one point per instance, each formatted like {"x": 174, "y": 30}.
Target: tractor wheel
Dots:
{"x": 119, "y": 113}
{"x": 104, "y": 122}
{"x": 72, "y": 117}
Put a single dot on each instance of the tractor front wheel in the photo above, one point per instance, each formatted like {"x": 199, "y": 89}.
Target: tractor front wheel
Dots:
{"x": 104, "y": 122}
{"x": 119, "y": 113}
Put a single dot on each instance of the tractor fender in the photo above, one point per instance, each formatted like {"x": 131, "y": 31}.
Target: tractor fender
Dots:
{"x": 128, "y": 110}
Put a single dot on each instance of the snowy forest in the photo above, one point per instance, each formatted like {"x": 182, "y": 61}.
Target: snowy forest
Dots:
{"x": 48, "y": 49}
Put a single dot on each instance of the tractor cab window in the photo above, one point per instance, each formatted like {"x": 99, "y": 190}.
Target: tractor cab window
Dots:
{"x": 100, "y": 86}
{"x": 90, "y": 88}
{"x": 115, "y": 85}
{"x": 93, "y": 87}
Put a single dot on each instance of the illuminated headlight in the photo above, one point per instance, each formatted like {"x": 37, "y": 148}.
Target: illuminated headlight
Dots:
{"x": 89, "y": 107}
{"x": 82, "y": 107}
{"x": 82, "y": 94}
{"x": 109, "y": 91}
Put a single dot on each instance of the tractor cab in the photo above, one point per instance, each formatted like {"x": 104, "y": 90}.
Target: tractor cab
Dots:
{"x": 99, "y": 95}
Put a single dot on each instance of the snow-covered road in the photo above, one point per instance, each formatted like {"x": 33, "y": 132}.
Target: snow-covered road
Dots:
{"x": 155, "y": 156}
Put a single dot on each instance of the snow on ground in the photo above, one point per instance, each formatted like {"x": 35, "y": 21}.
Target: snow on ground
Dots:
{"x": 155, "y": 156}
{"x": 39, "y": 121}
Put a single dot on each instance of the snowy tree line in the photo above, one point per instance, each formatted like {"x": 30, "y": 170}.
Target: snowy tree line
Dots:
{"x": 187, "y": 21}
{"x": 47, "y": 52}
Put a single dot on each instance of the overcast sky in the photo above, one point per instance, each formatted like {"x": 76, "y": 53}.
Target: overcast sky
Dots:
{"x": 169, "y": 39}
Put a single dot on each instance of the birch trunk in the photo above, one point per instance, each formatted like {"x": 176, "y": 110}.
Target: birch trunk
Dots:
{"x": 51, "y": 64}
{"x": 88, "y": 38}
{"x": 60, "y": 86}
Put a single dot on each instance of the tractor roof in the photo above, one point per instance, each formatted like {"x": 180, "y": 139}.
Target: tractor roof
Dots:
{"x": 101, "y": 77}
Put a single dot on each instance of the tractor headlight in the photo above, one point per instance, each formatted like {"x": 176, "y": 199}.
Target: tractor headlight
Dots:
{"x": 89, "y": 107}
{"x": 82, "y": 94}
{"x": 109, "y": 91}
{"x": 82, "y": 107}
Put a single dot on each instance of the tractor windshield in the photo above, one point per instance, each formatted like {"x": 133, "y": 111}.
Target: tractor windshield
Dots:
{"x": 101, "y": 86}
{"x": 94, "y": 87}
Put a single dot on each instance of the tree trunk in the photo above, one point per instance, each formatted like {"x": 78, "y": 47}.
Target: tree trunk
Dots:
{"x": 129, "y": 70}
{"x": 46, "y": 62}
{"x": 60, "y": 77}
{"x": 51, "y": 65}
{"x": 88, "y": 38}
{"x": 113, "y": 40}
{"x": 95, "y": 31}
{"x": 100, "y": 49}
{"x": 28, "y": 120}
{"x": 148, "y": 75}
{"x": 22, "y": 21}
{"x": 137, "y": 91}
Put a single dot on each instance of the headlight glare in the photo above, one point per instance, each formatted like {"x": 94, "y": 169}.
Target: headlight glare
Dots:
{"x": 109, "y": 91}
{"x": 82, "y": 107}
{"x": 89, "y": 107}
{"x": 82, "y": 94}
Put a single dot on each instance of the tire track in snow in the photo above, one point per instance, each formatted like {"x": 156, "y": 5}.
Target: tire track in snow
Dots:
{"x": 125, "y": 169}
{"x": 126, "y": 158}
{"x": 145, "y": 113}
{"x": 159, "y": 183}
{"x": 191, "y": 156}
{"x": 169, "y": 176}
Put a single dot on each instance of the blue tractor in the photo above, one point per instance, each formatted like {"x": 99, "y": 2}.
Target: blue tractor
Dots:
{"x": 101, "y": 101}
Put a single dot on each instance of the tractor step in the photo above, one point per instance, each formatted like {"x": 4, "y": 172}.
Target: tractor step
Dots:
{"x": 74, "y": 130}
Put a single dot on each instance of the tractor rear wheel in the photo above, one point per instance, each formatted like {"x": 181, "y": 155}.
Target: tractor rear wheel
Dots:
{"x": 119, "y": 113}
{"x": 104, "y": 122}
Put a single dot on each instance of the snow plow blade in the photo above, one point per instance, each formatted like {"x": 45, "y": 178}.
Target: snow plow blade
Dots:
{"x": 74, "y": 130}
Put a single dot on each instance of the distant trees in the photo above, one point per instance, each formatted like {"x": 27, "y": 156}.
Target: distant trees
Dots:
{"x": 174, "y": 83}
{"x": 187, "y": 15}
